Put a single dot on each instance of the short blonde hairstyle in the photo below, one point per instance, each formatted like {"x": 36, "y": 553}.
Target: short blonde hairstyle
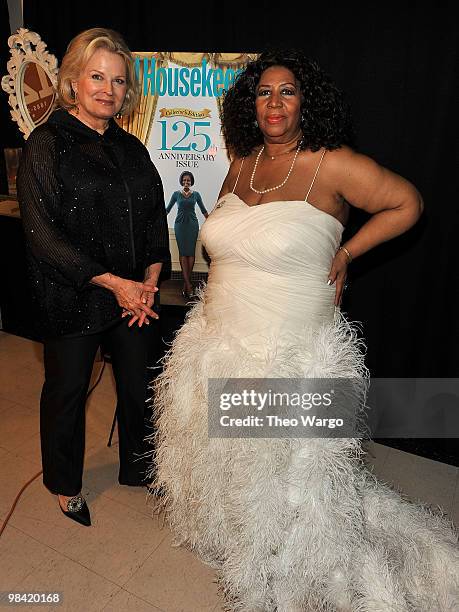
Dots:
{"x": 79, "y": 52}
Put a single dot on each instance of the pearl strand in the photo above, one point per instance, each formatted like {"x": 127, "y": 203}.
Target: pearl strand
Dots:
{"x": 277, "y": 186}
{"x": 273, "y": 157}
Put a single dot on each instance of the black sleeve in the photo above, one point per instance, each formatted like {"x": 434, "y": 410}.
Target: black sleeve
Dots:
{"x": 39, "y": 196}
{"x": 157, "y": 231}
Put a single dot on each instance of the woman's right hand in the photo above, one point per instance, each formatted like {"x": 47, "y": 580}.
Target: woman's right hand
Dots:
{"x": 148, "y": 298}
{"x": 130, "y": 296}
{"x": 338, "y": 274}
{"x": 133, "y": 297}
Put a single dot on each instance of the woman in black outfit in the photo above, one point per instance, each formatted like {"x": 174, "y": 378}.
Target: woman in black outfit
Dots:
{"x": 94, "y": 218}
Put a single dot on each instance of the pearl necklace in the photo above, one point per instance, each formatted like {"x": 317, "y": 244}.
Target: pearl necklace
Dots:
{"x": 273, "y": 157}
{"x": 277, "y": 186}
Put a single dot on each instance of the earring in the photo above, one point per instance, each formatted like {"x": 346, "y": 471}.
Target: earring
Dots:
{"x": 77, "y": 108}
{"x": 255, "y": 123}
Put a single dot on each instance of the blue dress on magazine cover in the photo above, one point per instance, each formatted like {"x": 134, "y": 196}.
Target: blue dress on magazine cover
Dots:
{"x": 186, "y": 223}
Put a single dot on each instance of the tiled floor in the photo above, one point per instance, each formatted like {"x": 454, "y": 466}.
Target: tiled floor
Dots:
{"x": 171, "y": 291}
{"x": 125, "y": 561}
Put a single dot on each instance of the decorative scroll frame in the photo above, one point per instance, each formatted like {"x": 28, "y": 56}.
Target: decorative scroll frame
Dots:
{"x": 26, "y": 47}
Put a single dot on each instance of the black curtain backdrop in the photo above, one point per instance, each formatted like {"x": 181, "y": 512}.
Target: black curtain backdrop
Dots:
{"x": 10, "y": 136}
{"x": 398, "y": 66}
{"x": 399, "y": 70}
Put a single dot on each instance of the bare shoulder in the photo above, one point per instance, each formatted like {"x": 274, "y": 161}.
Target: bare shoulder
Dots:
{"x": 346, "y": 166}
{"x": 345, "y": 160}
{"x": 366, "y": 184}
{"x": 231, "y": 176}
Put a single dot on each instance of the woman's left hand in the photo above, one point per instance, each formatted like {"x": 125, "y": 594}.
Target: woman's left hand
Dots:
{"x": 338, "y": 274}
{"x": 147, "y": 298}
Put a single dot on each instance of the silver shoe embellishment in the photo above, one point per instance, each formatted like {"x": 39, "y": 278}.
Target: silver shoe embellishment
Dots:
{"x": 75, "y": 504}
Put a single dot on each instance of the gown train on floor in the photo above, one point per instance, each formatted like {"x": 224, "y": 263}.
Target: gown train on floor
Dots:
{"x": 290, "y": 524}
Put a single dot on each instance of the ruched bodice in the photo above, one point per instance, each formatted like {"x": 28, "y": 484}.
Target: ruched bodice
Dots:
{"x": 270, "y": 265}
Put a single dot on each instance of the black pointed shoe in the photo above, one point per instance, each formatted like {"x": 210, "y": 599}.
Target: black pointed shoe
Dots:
{"x": 77, "y": 510}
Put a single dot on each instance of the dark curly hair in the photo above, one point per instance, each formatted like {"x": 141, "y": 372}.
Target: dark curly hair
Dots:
{"x": 186, "y": 173}
{"x": 325, "y": 117}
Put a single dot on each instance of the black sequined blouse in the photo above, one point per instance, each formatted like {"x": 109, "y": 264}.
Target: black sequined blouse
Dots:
{"x": 90, "y": 204}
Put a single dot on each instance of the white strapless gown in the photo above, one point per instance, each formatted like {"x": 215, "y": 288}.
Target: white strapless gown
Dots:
{"x": 291, "y": 524}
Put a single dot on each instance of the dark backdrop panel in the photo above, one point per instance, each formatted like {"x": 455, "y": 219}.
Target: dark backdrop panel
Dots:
{"x": 399, "y": 69}
{"x": 10, "y": 136}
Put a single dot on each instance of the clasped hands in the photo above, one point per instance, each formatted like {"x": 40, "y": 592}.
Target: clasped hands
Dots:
{"x": 136, "y": 300}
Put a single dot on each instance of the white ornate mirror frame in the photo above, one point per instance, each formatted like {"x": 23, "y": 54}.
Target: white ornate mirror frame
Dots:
{"x": 31, "y": 80}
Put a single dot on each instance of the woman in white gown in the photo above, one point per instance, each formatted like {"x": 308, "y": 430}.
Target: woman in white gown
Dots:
{"x": 291, "y": 524}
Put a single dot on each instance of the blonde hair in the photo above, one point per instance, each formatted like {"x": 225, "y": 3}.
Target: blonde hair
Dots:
{"x": 80, "y": 50}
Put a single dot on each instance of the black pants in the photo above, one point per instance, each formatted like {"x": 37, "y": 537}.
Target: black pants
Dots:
{"x": 68, "y": 367}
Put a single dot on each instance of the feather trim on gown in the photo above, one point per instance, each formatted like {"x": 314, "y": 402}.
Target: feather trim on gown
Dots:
{"x": 290, "y": 524}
